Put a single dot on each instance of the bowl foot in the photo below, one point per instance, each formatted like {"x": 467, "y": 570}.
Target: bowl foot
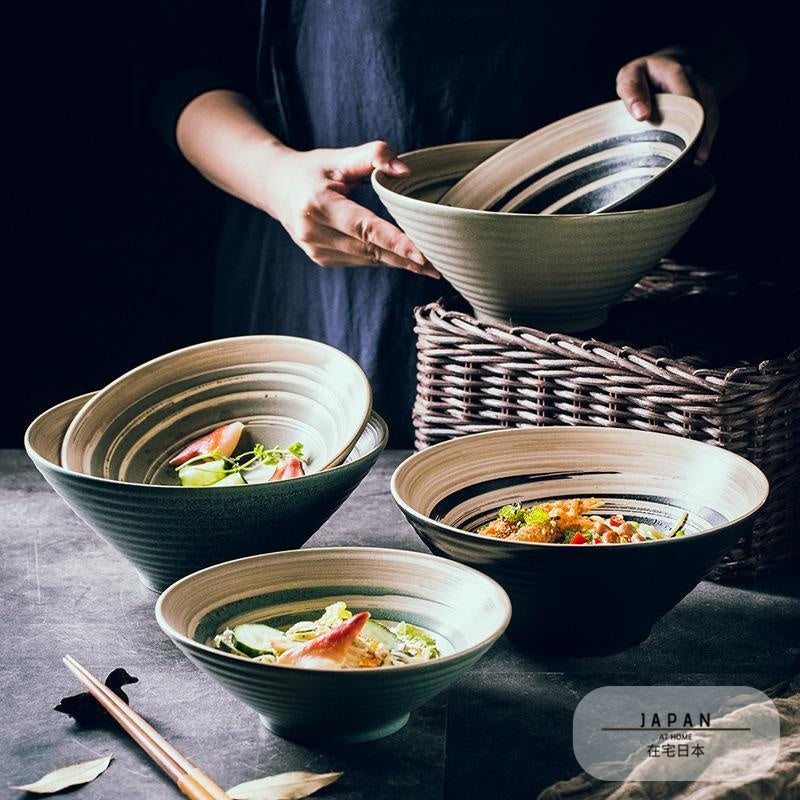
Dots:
{"x": 565, "y": 324}
{"x": 153, "y": 587}
{"x": 317, "y": 736}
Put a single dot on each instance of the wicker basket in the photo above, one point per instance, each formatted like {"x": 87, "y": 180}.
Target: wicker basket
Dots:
{"x": 475, "y": 377}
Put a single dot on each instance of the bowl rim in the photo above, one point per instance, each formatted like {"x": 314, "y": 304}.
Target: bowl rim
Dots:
{"x": 485, "y": 643}
{"x": 35, "y": 456}
{"x": 685, "y": 100}
{"x": 424, "y": 206}
{"x": 141, "y": 369}
{"x": 574, "y": 431}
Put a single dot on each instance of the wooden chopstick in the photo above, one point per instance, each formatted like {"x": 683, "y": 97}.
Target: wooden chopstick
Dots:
{"x": 191, "y": 780}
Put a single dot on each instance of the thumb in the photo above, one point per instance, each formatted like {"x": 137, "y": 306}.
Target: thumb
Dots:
{"x": 354, "y": 163}
{"x": 633, "y": 89}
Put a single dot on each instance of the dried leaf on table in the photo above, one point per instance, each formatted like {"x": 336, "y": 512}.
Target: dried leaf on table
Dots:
{"x": 86, "y": 711}
{"x": 73, "y": 775}
{"x": 286, "y": 786}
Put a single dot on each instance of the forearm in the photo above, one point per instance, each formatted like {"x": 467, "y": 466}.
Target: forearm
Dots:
{"x": 221, "y": 135}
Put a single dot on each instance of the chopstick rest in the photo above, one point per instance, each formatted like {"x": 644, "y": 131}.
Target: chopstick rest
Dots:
{"x": 190, "y": 779}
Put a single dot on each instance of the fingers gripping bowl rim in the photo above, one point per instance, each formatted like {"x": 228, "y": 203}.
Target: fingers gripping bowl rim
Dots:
{"x": 464, "y": 606}
{"x": 647, "y": 476}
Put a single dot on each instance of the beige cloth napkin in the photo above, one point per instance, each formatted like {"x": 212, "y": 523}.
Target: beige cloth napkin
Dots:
{"x": 781, "y": 782}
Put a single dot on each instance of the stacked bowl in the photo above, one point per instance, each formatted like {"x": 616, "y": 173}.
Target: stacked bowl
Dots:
{"x": 553, "y": 229}
{"x": 107, "y": 454}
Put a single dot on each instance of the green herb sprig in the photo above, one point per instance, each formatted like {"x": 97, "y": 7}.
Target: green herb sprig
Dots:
{"x": 245, "y": 461}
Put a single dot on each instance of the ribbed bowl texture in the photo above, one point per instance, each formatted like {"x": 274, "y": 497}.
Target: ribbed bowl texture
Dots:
{"x": 463, "y": 607}
{"x": 582, "y": 599}
{"x": 587, "y": 162}
{"x": 555, "y": 272}
{"x": 284, "y": 388}
{"x": 167, "y": 532}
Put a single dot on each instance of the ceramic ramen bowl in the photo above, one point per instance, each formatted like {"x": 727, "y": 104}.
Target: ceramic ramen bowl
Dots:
{"x": 166, "y": 532}
{"x": 556, "y": 272}
{"x": 466, "y": 610}
{"x": 582, "y": 599}
{"x": 588, "y": 162}
{"x": 285, "y": 389}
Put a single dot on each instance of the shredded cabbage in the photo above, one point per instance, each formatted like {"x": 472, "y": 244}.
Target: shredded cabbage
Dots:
{"x": 334, "y": 614}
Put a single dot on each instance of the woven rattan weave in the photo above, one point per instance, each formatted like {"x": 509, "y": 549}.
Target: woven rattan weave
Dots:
{"x": 474, "y": 376}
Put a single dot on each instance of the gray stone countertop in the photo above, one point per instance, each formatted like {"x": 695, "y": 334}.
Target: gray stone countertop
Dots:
{"x": 504, "y": 730}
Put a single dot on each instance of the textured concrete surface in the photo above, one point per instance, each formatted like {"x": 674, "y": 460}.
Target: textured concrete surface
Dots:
{"x": 503, "y": 731}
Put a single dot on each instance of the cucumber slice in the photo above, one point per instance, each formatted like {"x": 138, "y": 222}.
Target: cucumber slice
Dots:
{"x": 380, "y": 633}
{"x": 206, "y": 473}
{"x": 234, "y": 479}
{"x": 256, "y": 639}
{"x": 224, "y": 641}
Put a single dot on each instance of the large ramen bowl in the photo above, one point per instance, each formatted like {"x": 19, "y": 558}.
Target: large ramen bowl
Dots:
{"x": 582, "y": 599}
{"x": 465, "y": 609}
{"x": 284, "y": 389}
{"x": 167, "y": 532}
{"x": 557, "y": 272}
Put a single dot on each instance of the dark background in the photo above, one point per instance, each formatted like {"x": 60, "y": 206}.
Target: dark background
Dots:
{"x": 111, "y": 238}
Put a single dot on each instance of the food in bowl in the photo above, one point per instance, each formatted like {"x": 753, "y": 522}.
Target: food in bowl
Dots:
{"x": 166, "y": 531}
{"x": 209, "y": 460}
{"x": 336, "y": 640}
{"x": 643, "y": 475}
{"x": 570, "y": 522}
{"x": 467, "y": 611}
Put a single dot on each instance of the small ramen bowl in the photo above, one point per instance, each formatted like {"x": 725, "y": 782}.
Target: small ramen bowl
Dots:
{"x": 166, "y": 532}
{"x": 582, "y": 599}
{"x": 466, "y": 610}
{"x": 592, "y": 161}
{"x": 284, "y": 388}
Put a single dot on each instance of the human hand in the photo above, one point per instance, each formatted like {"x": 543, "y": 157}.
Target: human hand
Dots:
{"x": 668, "y": 71}
{"x": 308, "y": 196}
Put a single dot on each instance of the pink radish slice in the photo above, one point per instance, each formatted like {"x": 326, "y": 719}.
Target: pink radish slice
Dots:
{"x": 290, "y": 466}
{"x": 328, "y": 651}
{"x": 221, "y": 441}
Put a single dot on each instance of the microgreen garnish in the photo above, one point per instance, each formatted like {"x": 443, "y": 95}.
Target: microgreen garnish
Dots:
{"x": 536, "y": 516}
{"x": 513, "y": 513}
{"x": 245, "y": 461}
{"x": 529, "y": 516}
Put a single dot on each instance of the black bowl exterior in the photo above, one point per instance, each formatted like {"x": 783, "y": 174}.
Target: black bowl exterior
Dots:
{"x": 384, "y": 697}
{"x": 465, "y": 608}
{"x": 586, "y": 601}
{"x": 169, "y": 532}
{"x": 583, "y": 599}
